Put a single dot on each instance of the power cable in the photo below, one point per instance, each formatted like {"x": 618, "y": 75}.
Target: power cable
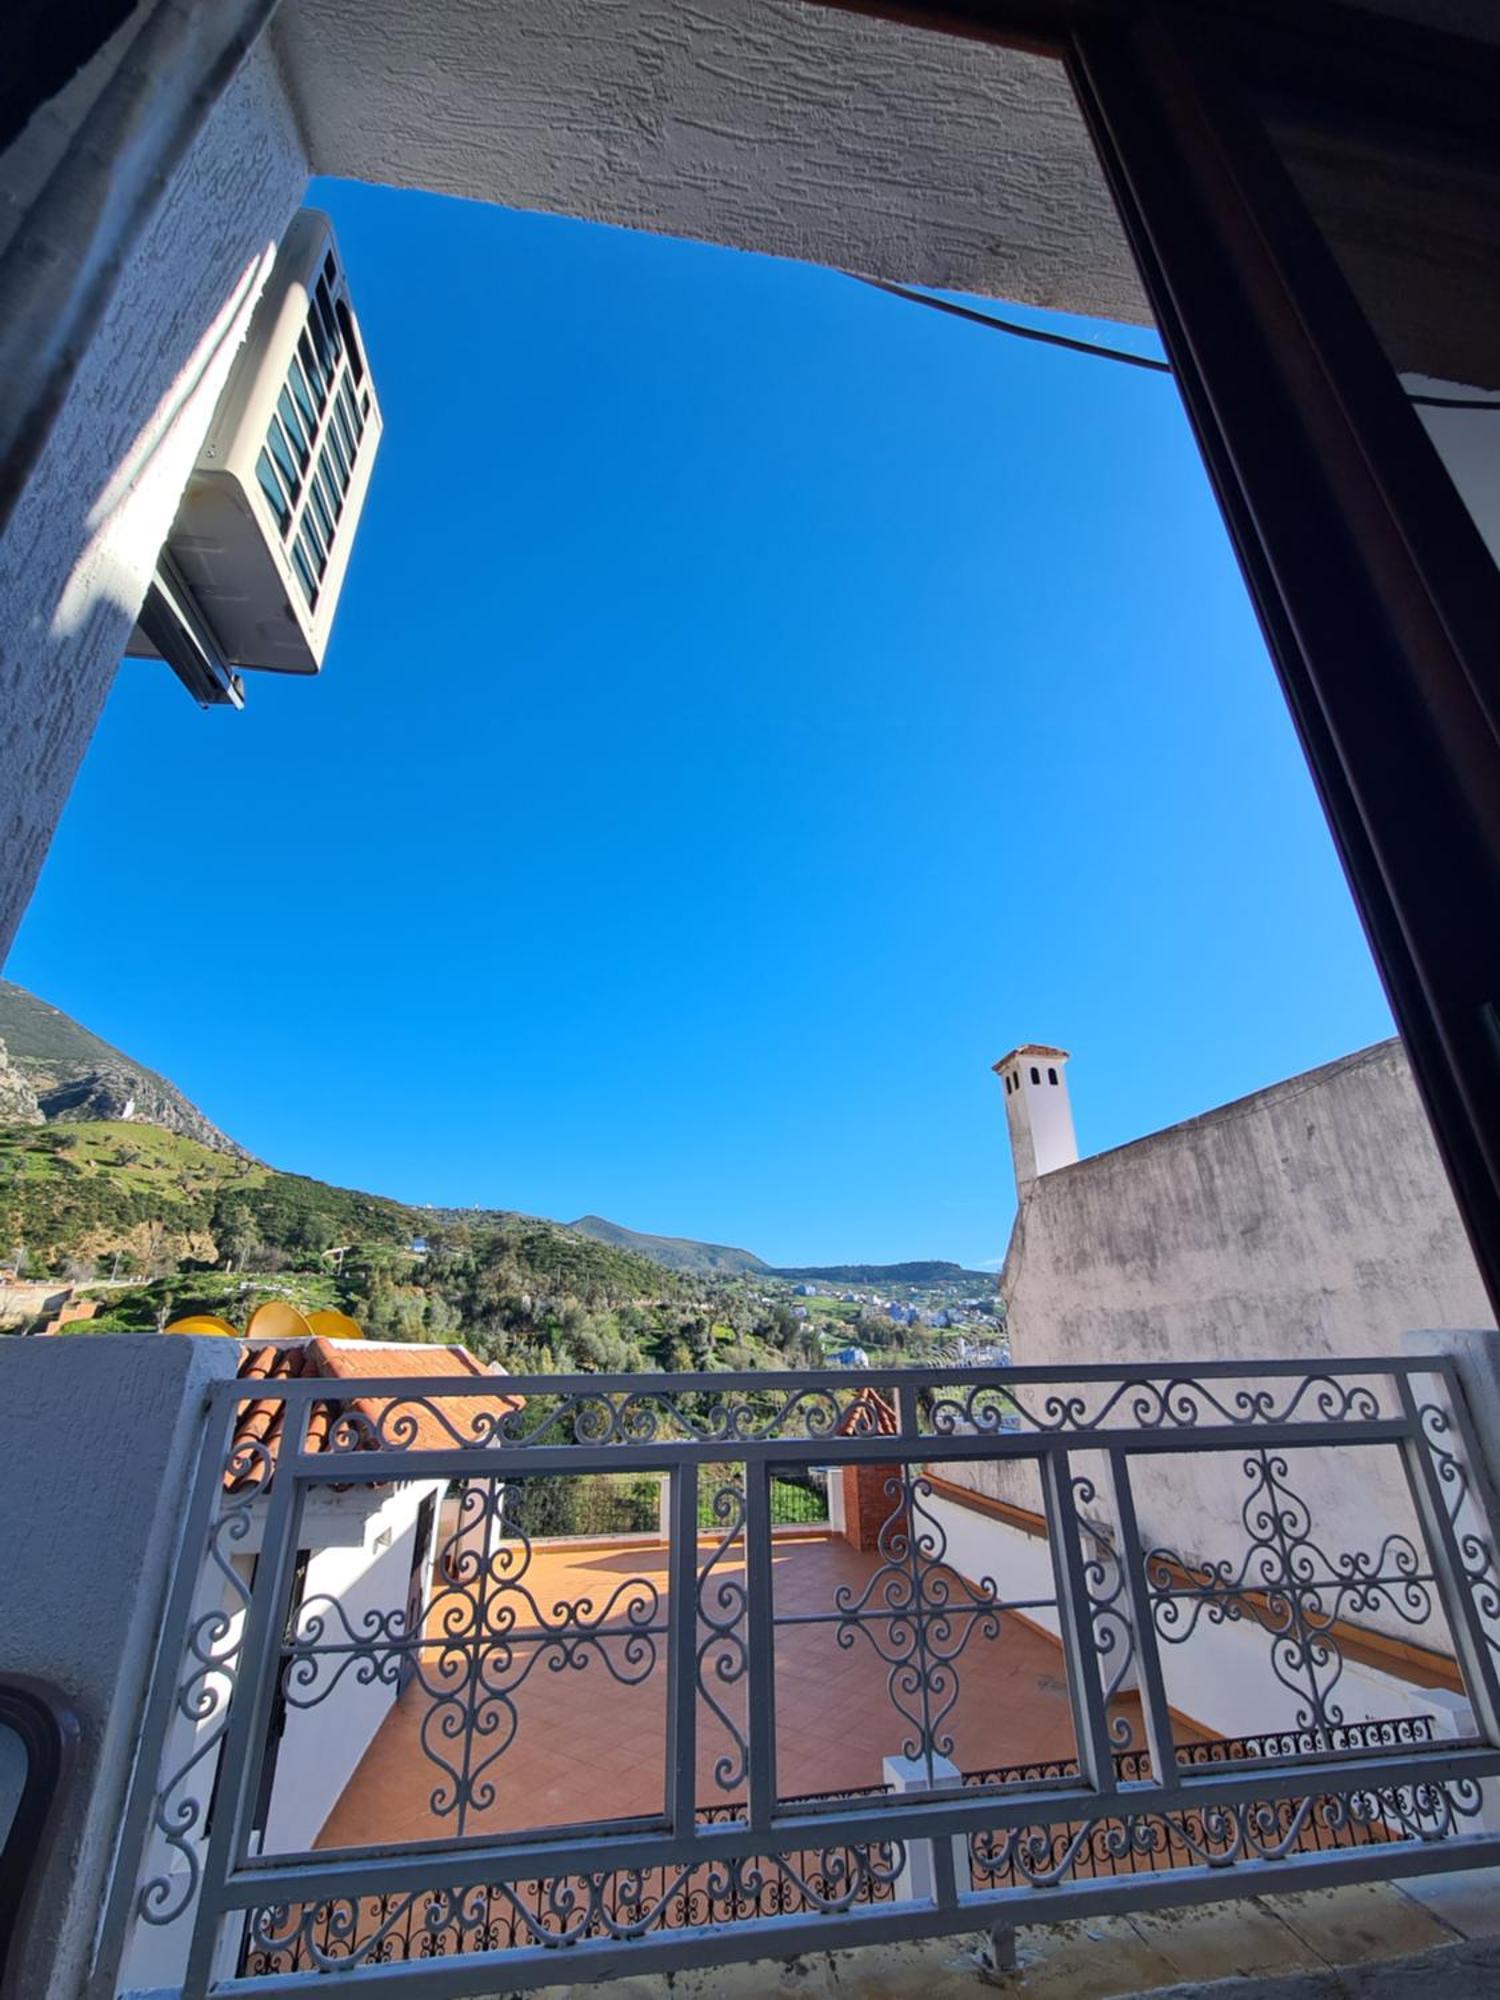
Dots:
{"x": 1103, "y": 353}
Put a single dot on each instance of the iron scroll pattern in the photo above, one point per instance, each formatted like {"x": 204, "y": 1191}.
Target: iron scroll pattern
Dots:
{"x": 1473, "y": 1539}
{"x": 1292, "y": 1589}
{"x": 560, "y": 1912}
{"x": 543, "y": 1414}
{"x": 209, "y": 1667}
{"x": 722, "y": 1656}
{"x": 484, "y": 1633}
{"x": 399, "y": 1927}
{"x": 920, "y": 1616}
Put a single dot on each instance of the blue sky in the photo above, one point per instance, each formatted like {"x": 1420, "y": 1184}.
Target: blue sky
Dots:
{"x": 756, "y": 704}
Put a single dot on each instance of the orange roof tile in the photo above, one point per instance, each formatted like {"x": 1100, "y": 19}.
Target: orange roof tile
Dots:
{"x": 447, "y": 1421}
{"x": 869, "y": 1415}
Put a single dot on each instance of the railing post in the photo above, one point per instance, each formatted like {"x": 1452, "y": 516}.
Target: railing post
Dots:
{"x": 249, "y": 1701}
{"x": 1456, "y": 1585}
{"x": 1075, "y": 1613}
{"x": 760, "y": 1633}
{"x": 1156, "y": 1714}
{"x": 682, "y": 1650}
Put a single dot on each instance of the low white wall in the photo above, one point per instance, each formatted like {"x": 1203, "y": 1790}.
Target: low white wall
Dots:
{"x": 99, "y": 1438}
{"x": 1220, "y": 1679}
{"x": 982, "y": 1548}
{"x": 325, "y": 1737}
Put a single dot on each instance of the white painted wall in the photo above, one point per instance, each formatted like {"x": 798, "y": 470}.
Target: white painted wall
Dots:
{"x": 326, "y": 1737}
{"x": 1220, "y": 1678}
{"x": 98, "y": 1441}
{"x": 979, "y": 1547}
{"x": 76, "y": 558}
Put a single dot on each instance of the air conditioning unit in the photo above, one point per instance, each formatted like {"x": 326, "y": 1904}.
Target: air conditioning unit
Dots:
{"x": 251, "y": 571}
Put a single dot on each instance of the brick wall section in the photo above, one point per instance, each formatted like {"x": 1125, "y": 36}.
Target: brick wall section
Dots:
{"x": 867, "y": 1503}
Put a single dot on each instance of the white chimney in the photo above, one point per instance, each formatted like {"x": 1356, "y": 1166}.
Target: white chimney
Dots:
{"x": 1037, "y": 1111}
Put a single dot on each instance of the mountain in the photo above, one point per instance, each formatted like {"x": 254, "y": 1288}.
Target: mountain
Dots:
{"x": 53, "y": 1068}
{"x": 142, "y": 1200}
{"x": 923, "y": 1272}
{"x": 673, "y": 1253}
{"x": 126, "y": 1189}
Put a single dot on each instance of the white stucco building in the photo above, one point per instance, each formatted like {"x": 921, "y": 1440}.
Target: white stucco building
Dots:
{"x": 1310, "y": 1219}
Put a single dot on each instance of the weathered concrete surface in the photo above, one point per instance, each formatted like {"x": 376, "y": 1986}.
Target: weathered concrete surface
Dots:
{"x": 1310, "y": 1220}
{"x": 1313, "y": 1218}
{"x": 776, "y": 127}
{"x": 97, "y": 1443}
{"x": 1364, "y": 1940}
{"x": 78, "y": 553}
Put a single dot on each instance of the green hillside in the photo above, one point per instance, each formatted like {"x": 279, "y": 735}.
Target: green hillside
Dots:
{"x": 153, "y": 1225}
{"x": 673, "y": 1253}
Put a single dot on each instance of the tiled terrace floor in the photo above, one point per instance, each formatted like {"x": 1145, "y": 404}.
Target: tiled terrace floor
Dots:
{"x": 586, "y": 1748}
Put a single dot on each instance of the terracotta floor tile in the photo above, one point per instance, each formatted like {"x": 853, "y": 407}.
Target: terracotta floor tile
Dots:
{"x": 588, "y": 1747}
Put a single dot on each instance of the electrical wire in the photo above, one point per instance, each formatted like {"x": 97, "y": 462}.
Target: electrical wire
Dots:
{"x": 1011, "y": 326}
{"x": 1103, "y": 353}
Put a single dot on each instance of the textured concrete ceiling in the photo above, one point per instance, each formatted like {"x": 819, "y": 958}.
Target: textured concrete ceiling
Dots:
{"x": 771, "y": 126}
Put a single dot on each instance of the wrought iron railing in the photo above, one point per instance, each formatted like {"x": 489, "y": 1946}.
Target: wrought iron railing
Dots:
{"x": 629, "y": 1899}
{"x": 665, "y": 1817}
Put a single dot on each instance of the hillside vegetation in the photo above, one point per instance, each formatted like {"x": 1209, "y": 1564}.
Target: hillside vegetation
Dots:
{"x": 928, "y": 1272}
{"x": 155, "y": 1225}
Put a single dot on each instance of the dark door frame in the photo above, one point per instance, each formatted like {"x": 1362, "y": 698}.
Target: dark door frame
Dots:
{"x": 1378, "y": 599}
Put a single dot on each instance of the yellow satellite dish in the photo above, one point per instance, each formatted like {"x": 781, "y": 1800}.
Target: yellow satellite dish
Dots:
{"x": 203, "y": 1323}
{"x": 274, "y": 1319}
{"x": 334, "y": 1325}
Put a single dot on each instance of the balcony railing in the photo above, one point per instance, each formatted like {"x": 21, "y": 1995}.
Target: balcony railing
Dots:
{"x": 629, "y": 1898}
{"x": 397, "y": 1742}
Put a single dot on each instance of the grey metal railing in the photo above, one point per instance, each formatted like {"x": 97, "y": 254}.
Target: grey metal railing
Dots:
{"x": 1340, "y": 1519}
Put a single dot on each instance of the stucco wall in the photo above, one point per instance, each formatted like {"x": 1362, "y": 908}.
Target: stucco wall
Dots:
{"x": 796, "y": 130}
{"x": 98, "y": 1441}
{"x": 79, "y": 550}
{"x": 1312, "y": 1218}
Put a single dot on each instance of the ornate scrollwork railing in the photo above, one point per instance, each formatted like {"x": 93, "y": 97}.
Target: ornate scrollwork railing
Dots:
{"x": 525, "y": 1750}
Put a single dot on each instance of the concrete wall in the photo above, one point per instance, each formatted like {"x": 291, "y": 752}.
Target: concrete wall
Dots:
{"x": 76, "y": 558}
{"x": 797, "y": 130}
{"x": 1312, "y": 1219}
{"x": 98, "y": 1440}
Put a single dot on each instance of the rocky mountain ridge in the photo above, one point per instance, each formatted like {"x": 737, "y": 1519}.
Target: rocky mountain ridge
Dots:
{"x": 54, "y": 1070}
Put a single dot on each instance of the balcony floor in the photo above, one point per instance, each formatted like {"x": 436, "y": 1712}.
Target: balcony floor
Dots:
{"x": 587, "y": 1749}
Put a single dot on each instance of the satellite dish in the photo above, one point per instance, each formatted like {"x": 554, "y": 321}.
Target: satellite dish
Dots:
{"x": 334, "y": 1325}
{"x": 274, "y": 1319}
{"x": 203, "y": 1323}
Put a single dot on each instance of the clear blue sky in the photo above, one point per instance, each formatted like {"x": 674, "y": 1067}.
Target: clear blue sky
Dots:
{"x": 756, "y": 704}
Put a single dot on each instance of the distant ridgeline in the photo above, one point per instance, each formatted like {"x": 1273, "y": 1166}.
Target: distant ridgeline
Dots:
{"x": 923, "y": 1272}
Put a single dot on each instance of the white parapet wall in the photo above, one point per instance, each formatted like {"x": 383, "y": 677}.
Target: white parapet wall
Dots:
{"x": 1221, "y": 1679}
{"x": 99, "y": 1438}
{"x": 79, "y": 551}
